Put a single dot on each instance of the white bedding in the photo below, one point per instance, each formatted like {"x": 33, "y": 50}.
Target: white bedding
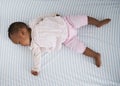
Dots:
{"x": 63, "y": 68}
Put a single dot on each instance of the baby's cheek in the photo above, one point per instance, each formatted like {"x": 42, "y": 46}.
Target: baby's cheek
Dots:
{"x": 24, "y": 42}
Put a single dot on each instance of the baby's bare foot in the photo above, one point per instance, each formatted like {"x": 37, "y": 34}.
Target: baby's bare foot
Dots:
{"x": 103, "y": 22}
{"x": 98, "y": 60}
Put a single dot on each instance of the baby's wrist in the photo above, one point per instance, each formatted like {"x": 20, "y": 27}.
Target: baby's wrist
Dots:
{"x": 35, "y": 69}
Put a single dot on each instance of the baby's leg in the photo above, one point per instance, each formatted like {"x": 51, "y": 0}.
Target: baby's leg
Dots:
{"x": 96, "y": 22}
{"x": 79, "y": 47}
{"x": 89, "y": 52}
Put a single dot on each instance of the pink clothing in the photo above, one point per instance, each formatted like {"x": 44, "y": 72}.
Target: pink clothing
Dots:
{"x": 49, "y": 33}
{"x": 74, "y": 22}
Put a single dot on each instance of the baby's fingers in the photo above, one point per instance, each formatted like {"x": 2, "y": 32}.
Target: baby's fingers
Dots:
{"x": 35, "y": 73}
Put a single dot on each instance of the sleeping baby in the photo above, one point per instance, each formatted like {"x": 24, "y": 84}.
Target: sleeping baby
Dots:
{"x": 47, "y": 34}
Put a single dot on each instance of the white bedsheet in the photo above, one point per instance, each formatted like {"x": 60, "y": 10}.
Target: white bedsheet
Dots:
{"x": 63, "y": 68}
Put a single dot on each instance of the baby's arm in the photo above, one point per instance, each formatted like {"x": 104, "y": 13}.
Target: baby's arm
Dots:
{"x": 36, "y": 61}
{"x": 40, "y": 18}
{"x": 35, "y": 22}
{"x": 58, "y": 43}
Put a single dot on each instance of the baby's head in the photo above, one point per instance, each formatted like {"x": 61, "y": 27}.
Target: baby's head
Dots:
{"x": 20, "y": 33}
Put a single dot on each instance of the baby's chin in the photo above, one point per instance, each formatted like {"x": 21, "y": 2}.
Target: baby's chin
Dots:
{"x": 27, "y": 44}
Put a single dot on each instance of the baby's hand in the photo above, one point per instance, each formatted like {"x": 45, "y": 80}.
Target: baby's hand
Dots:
{"x": 35, "y": 73}
{"x": 57, "y": 14}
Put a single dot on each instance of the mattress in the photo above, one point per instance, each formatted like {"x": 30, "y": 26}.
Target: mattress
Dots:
{"x": 64, "y": 67}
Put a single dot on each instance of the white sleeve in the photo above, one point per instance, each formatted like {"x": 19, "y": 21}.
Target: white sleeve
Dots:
{"x": 58, "y": 43}
{"x": 36, "y": 59}
{"x": 34, "y": 22}
{"x": 38, "y": 19}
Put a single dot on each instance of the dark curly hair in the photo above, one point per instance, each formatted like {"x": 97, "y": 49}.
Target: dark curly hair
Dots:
{"x": 15, "y": 27}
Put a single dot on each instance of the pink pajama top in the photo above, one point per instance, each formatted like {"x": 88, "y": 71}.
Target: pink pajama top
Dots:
{"x": 47, "y": 34}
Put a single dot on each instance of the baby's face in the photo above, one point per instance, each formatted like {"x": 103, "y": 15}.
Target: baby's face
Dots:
{"x": 22, "y": 37}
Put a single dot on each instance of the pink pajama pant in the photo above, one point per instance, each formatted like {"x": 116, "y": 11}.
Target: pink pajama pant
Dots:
{"x": 73, "y": 23}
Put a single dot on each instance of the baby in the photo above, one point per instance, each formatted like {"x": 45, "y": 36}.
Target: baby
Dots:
{"x": 49, "y": 33}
